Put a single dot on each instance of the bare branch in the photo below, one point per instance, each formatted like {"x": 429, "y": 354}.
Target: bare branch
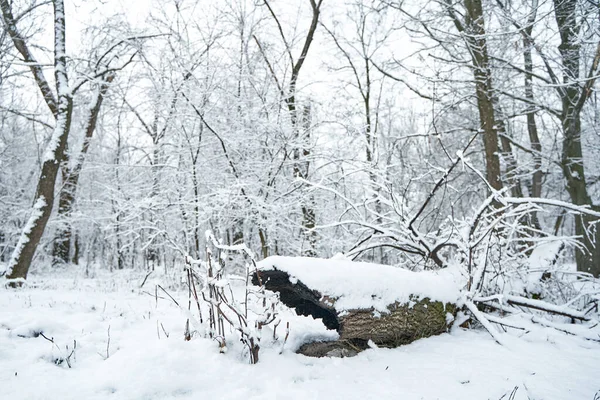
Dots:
{"x": 34, "y": 66}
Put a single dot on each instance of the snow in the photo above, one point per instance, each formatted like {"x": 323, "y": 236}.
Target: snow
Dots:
{"x": 143, "y": 363}
{"x": 544, "y": 254}
{"x": 551, "y": 202}
{"x": 546, "y": 306}
{"x": 363, "y": 285}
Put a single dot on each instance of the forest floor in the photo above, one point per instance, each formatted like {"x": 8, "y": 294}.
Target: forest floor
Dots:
{"x": 121, "y": 351}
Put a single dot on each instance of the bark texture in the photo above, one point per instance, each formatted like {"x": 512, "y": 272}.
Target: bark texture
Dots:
{"x": 473, "y": 29}
{"x": 404, "y": 323}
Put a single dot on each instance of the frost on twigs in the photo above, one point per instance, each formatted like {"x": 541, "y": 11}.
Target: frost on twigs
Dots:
{"x": 516, "y": 277}
{"x": 214, "y": 308}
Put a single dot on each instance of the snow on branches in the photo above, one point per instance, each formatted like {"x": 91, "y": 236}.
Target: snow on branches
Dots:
{"x": 230, "y": 309}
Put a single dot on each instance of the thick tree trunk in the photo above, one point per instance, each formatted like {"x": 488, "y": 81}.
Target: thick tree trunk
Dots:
{"x": 20, "y": 262}
{"x": 484, "y": 90}
{"x": 588, "y": 257}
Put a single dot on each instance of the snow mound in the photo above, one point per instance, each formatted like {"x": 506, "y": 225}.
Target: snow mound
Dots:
{"x": 358, "y": 285}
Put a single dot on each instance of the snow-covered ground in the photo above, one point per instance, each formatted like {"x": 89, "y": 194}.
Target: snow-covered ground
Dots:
{"x": 122, "y": 352}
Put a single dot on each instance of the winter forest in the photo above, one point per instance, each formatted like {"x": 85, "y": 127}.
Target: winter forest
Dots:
{"x": 326, "y": 186}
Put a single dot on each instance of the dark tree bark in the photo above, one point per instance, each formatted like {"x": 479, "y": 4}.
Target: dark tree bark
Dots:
{"x": 20, "y": 262}
{"x": 534, "y": 139}
{"x": 573, "y": 97}
{"x": 535, "y": 189}
{"x": 474, "y": 32}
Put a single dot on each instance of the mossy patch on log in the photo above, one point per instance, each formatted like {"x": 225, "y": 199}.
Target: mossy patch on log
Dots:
{"x": 403, "y": 324}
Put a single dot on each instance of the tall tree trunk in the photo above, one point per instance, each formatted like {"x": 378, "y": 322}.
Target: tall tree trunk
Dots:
{"x": 117, "y": 208}
{"x": 62, "y": 239}
{"x": 301, "y": 153}
{"x": 301, "y": 170}
{"x": 573, "y": 98}
{"x": 534, "y": 139}
{"x": 484, "y": 89}
{"x": 70, "y": 174}
{"x": 474, "y": 33}
{"x": 20, "y": 262}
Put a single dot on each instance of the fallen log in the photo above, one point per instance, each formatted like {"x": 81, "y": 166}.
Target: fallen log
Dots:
{"x": 359, "y": 309}
{"x": 403, "y": 324}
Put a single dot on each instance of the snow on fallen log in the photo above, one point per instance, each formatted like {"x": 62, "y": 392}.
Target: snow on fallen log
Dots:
{"x": 364, "y": 302}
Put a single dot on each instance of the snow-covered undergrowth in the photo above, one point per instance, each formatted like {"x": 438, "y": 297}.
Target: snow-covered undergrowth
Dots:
{"x": 128, "y": 345}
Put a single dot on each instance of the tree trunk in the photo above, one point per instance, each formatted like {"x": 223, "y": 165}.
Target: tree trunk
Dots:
{"x": 301, "y": 170}
{"x": 573, "y": 98}
{"x": 62, "y": 242}
{"x": 511, "y": 174}
{"x": 301, "y": 128}
{"x": 534, "y": 139}
{"x": 474, "y": 33}
{"x": 20, "y": 262}
{"x": 484, "y": 90}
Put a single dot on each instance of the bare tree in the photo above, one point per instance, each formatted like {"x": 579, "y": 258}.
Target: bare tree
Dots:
{"x": 472, "y": 27}
{"x": 301, "y": 152}
{"x": 61, "y": 107}
{"x": 104, "y": 70}
{"x": 574, "y": 95}
{"x": 70, "y": 177}
{"x": 60, "y": 103}
{"x": 367, "y": 34}
{"x": 574, "y": 21}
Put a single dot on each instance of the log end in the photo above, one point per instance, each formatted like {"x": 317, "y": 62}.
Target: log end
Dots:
{"x": 298, "y": 296}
